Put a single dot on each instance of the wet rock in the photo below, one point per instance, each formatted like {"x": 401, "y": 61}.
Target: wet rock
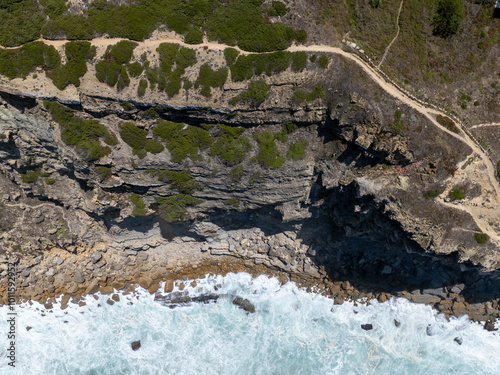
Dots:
{"x": 136, "y": 345}
{"x": 28, "y": 328}
{"x": 169, "y": 286}
{"x": 367, "y": 327}
{"x": 458, "y": 340}
{"x": 244, "y": 304}
{"x": 431, "y": 330}
{"x": 177, "y": 299}
{"x": 490, "y": 326}
{"x": 397, "y": 323}
{"x": 110, "y": 301}
{"x": 115, "y": 297}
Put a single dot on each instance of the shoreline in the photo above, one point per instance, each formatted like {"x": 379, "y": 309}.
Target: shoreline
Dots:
{"x": 189, "y": 265}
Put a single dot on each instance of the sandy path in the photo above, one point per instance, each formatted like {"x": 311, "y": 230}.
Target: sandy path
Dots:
{"x": 483, "y": 169}
{"x": 485, "y": 125}
{"x": 390, "y": 44}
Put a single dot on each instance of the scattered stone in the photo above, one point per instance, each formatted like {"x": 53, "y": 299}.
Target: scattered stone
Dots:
{"x": 28, "y": 328}
{"x": 431, "y": 330}
{"x": 153, "y": 288}
{"x": 397, "y": 323}
{"x": 205, "y": 248}
{"x": 25, "y": 272}
{"x": 490, "y": 326}
{"x": 115, "y": 297}
{"x": 169, "y": 286}
{"x": 367, "y": 327}
{"x": 96, "y": 257}
{"x": 458, "y": 340}
{"x": 177, "y": 299}
{"x": 131, "y": 252}
{"x": 457, "y": 289}
{"x": 106, "y": 290}
{"x": 72, "y": 288}
{"x": 181, "y": 287}
{"x": 244, "y": 304}
{"x": 136, "y": 345}
{"x": 52, "y": 231}
{"x": 110, "y": 301}
{"x": 78, "y": 277}
{"x": 387, "y": 270}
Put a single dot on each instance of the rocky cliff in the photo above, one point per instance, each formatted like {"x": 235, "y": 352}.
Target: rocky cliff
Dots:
{"x": 349, "y": 185}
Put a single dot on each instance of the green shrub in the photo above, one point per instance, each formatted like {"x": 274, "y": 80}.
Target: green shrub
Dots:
{"x": 236, "y": 173}
{"x": 140, "y": 206}
{"x": 127, "y": 106}
{"x": 277, "y": 9}
{"x": 194, "y": 36}
{"x": 481, "y": 238}
{"x": 255, "y": 177}
{"x": 300, "y": 96}
{"x": 179, "y": 180}
{"x": 141, "y": 89}
{"x": 31, "y": 177}
{"x": 19, "y": 62}
{"x": 286, "y": 128}
{"x": 111, "y": 70}
{"x": 231, "y": 54}
{"x": 77, "y": 53}
{"x": 269, "y": 155}
{"x": 247, "y": 66}
{"x": 301, "y": 36}
{"x": 135, "y": 137}
{"x": 208, "y": 78}
{"x": 85, "y": 135}
{"x": 323, "y": 61}
{"x": 135, "y": 69}
{"x": 21, "y": 22}
{"x": 235, "y": 202}
{"x": 448, "y": 17}
{"x": 296, "y": 150}
{"x": 182, "y": 142}
{"x": 476, "y": 103}
{"x": 313, "y": 58}
{"x": 173, "y": 208}
{"x": 299, "y": 61}
{"x": 173, "y": 64}
{"x": 448, "y": 123}
{"x": 457, "y": 194}
{"x": 431, "y": 194}
{"x": 103, "y": 172}
{"x": 230, "y": 146}
{"x": 50, "y": 181}
{"x": 498, "y": 169}
{"x": 153, "y": 146}
{"x": 256, "y": 94}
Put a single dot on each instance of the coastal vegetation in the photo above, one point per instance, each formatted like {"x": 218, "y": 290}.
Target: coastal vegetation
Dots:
{"x": 208, "y": 78}
{"x": 135, "y": 137}
{"x": 230, "y": 145}
{"x": 173, "y": 208}
{"x": 19, "y": 62}
{"x": 85, "y": 135}
{"x": 112, "y": 69}
{"x": 255, "y": 95}
{"x": 179, "y": 180}
{"x": 139, "y": 205}
{"x": 300, "y": 96}
{"x": 77, "y": 55}
{"x": 268, "y": 155}
{"x": 296, "y": 150}
{"x": 182, "y": 140}
{"x": 481, "y": 238}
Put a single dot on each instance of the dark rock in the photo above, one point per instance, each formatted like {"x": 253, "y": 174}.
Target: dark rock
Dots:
{"x": 458, "y": 340}
{"x": 397, "y": 323}
{"x": 174, "y": 300}
{"x": 136, "y": 345}
{"x": 244, "y": 304}
{"x": 490, "y": 326}
{"x": 28, "y": 328}
{"x": 109, "y": 301}
{"x": 367, "y": 327}
{"x": 431, "y": 330}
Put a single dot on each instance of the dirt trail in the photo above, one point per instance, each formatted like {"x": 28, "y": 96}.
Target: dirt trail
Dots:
{"x": 485, "y": 125}
{"x": 483, "y": 170}
{"x": 390, "y": 44}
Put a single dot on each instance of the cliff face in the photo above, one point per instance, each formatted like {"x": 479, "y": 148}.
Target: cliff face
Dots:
{"x": 355, "y": 185}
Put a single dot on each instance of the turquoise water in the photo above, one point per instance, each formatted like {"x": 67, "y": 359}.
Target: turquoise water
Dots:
{"x": 292, "y": 332}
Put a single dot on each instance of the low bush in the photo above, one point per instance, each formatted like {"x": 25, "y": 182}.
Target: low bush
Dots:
{"x": 103, "y": 172}
{"x": 247, "y": 66}
{"x": 256, "y": 94}
{"x": 173, "y": 208}
{"x": 140, "y": 206}
{"x": 19, "y": 62}
{"x": 481, "y": 238}
{"x": 182, "y": 142}
{"x": 457, "y": 194}
{"x": 112, "y": 69}
{"x": 296, "y": 150}
{"x": 30, "y": 177}
{"x": 50, "y": 181}
{"x": 323, "y": 61}
{"x": 179, "y": 180}
{"x": 208, "y": 78}
{"x": 300, "y": 96}
{"x": 194, "y": 36}
{"x": 135, "y": 137}
{"x": 230, "y": 146}
{"x": 299, "y": 61}
{"x": 141, "y": 89}
{"x": 231, "y": 55}
{"x": 277, "y": 8}
{"x": 429, "y": 194}
{"x": 85, "y": 135}
{"x": 268, "y": 155}
{"x": 236, "y": 173}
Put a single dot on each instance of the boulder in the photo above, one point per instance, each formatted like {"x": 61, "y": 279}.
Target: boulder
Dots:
{"x": 367, "y": 327}
{"x": 136, "y": 345}
{"x": 78, "y": 277}
{"x": 458, "y": 340}
{"x": 490, "y": 326}
{"x": 244, "y": 304}
{"x": 96, "y": 257}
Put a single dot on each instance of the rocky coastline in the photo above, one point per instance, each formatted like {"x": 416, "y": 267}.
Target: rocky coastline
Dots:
{"x": 109, "y": 268}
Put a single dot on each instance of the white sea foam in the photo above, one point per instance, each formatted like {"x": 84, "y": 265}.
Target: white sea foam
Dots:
{"x": 292, "y": 332}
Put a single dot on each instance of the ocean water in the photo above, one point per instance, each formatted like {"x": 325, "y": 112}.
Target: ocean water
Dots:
{"x": 291, "y": 332}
